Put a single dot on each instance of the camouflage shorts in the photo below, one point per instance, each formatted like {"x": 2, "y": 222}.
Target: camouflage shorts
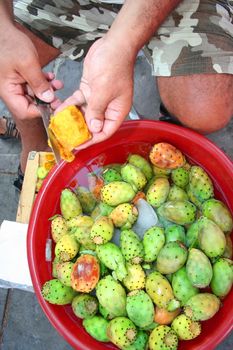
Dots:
{"x": 196, "y": 38}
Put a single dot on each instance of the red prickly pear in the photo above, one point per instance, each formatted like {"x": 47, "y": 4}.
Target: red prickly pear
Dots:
{"x": 85, "y": 273}
{"x": 166, "y": 156}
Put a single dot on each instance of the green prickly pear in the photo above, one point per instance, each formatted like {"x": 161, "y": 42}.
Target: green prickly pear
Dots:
{"x": 159, "y": 289}
{"x": 117, "y": 192}
{"x": 180, "y": 177}
{"x": 85, "y": 273}
{"x": 101, "y": 209}
{"x": 102, "y": 230}
{"x": 175, "y": 233}
{"x": 182, "y": 287}
{"x": 121, "y": 331}
{"x": 131, "y": 247}
{"x": 124, "y": 215}
{"x": 177, "y": 194}
{"x": 222, "y": 280}
{"x": 171, "y": 257}
{"x": 82, "y": 225}
{"x": 55, "y": 292}
{"x": 192, "y": 197}
{"x": 153, "y": 241}
{"x": 64, "y": 272}
{"x": 163, "y": 338}
{"x": 211, "y": 238}
{"x": 134, "y": 176}
{"x": 158, "y": 191}
{"x": 66, "y": 248}
{"x": 70, "y": 205}
{"x": 192, "y": 235}
{"x": 199, "y": 269}
{"x": 97, "y": 328}
{"x": 228, "y": 253}
{"x": 140, "y": 343}
{"x": 85, "y": 306}
{"x": 202, "y": 306}
{"x": 140, "y": 308}
{"x": 141, "y": 163}
{"x": 159, "y": 172}
{"x": 135, "y": 278}
{"x": 200, "y": 183}
{"x": 110, "y": 255}
{"x": 178, "y": 212}
{"x": 217, "y": 211}
{"x": 110, "y": 175}
{"x": 86, "y": 199}
{"x": 58, "y": 227}
{"x": 111, "y": 296}
{"x": 185, "y": 328}
{"x": 105, "y": 313}
{"x": 55, "y": 264}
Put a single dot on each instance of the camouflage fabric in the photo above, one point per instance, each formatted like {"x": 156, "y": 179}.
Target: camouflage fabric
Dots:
{"x": 196, "y": 38}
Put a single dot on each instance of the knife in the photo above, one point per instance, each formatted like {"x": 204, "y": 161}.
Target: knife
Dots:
{"x": 45, "y": 112}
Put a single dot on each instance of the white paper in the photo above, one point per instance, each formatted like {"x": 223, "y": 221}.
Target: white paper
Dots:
{"x": 14, "y": 270}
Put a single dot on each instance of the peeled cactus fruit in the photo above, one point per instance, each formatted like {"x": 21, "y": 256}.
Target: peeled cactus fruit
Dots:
{"x": 140, "y": 309}
{"x": 178, "y": 212}
{"x": 141, "y": 163}
{"x": 200, "y": 183}
{"x": 97, "y": 328}
{"x": 202, "y": 306}
{"x": 166, "y": 156}
{"x": 163, "y": 338}
{"x": 157, "y": 192}
{"x": 117, "y": 192}
{"x": 134, "y": 176}
{"x": 131, "y": 247}
{"x": 66, "y": 248}
{"x": 153, "y": 241}
{"x": 70, "y": 205}
{"x": 58, "y": 227}
{"x": 85, "y": 273}
{"x": 185, "y": 328}
{"x": 124, "y": 215}
{"x": 199, "y": 269}
{"x": 57, "y": 293}
{"x": 85, "y": 306}
{"x": 102, "y": 230}
{"x": 217, "y": 211}
{"x": 222, "y": 280}
{"x": 135, "y": 278}
{"x": 122, "y": 332}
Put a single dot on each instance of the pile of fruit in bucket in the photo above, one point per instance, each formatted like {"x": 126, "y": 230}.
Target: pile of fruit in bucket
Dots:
{"x": 144, "y": 254}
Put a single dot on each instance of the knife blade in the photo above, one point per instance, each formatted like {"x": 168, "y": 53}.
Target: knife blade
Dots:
{"x": 45, "y": 112}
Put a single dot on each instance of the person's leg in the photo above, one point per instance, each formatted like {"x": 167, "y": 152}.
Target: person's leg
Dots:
{"x": 203, "y": 102}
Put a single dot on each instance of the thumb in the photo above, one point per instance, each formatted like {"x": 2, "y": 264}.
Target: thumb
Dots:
{"x": 95, "y": 113}
{"x": 35, "y": 78}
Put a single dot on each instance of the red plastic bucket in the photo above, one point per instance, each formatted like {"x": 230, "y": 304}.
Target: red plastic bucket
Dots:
{"x": 137, "y": 137}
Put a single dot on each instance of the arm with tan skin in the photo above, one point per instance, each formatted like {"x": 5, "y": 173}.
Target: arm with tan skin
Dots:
{"x": 106, "y": 88}
{"x": 19, "y": 66}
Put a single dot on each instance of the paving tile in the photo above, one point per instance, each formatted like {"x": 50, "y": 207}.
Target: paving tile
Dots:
{"x": 9, "y": 198}
{"x": 3, "y": 296}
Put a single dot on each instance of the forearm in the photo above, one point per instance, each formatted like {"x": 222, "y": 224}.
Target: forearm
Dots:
{"x": 138, "y": 20}
{"x": 6, "y": 13}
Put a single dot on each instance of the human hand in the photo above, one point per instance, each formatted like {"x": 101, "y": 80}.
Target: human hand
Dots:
{"x": 21, "y": 75}
{"x": 106, "y": 89}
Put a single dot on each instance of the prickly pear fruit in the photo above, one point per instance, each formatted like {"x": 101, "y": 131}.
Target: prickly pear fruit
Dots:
{"x": 178, "y": 212}
{"x": 111, "y": 296}
{"x": 159, "y": 172}
{"x": 122, "y": 332}
{"x": 95, "y": 184}
{"x": 175, "y": 233}
{"x": 153, "y": 241}
{"x": 180, "y": 177}
{"x": 222, "y": 280}
{"x": 200, "y": 183}
{"x": 131, "y": 247}
{"x": 159, "y": 289}
{"x": 55, "y": 292}
{"x": 158, "y": 191}
{"x": 55, "y": 265}
{"x": 141, "y": 163}
{"x": 64, "y": 272}
{"x": 134, "y": 176}
{"x": 110, "y": 255}
{"x": 135, "y": 278}
{"x": 102, "y": 209}
{"x": 97, "y": 328}
{"x": 182, "y": 287}
{"x": 117, "y": 192}
{"x": 217, "y": 211}
{"x": 70, "y": 205}
{"x": 110, "y": 175}
{"x": 171, "y": 257}
{"x": 58, "y": 227}
{"x": 85, "y": 273}
{"x": 102, "y": 230}
{"x": 124, "y": 215}
{"x": 82, "y": 230}
{"x": 66, "y": 248}
{"x": 85, "y": 306}
{"x": 202, "y": 306}
{"x": 163, "y": 338}
{"x": 192, "y": 198}
{"x": 185, "y": 328}
{"x": 86, "y": 199}
{"x": 164, "y": 317}
{"x": 228, "y": 253}
{"x": 192, "y": 236}
{"x": 140, "y": 308}
{"x": 105, "y": 313}
{"x": 166, "y": 156}
{"x": 140, "y": 342}
{"x": 211, "y": 238}
{"x": 199, "y": 269}
{"x": 177, "y": 194}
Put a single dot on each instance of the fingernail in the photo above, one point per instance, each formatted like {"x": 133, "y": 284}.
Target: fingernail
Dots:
{"x": 96, "y": 125}
{"x": 48, "y": 95}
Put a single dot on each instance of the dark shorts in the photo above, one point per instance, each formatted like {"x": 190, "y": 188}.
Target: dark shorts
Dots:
{"x": 196, "y": 38}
